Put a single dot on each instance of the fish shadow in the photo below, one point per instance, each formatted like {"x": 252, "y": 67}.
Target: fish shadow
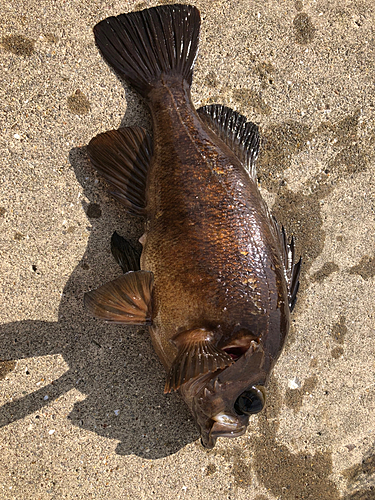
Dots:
{"x": 113, "y": 366}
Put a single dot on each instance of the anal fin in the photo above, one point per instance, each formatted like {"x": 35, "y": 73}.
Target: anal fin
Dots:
{"x": 126, "y": 300}
{"x": 292, "y": 268}
{"x": 197, "y": 355}
{"x": 123, "y": 156}
{"x": 127, "y": 257}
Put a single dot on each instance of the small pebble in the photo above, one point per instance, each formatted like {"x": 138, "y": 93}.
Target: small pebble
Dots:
{"x": 294, "y": 383}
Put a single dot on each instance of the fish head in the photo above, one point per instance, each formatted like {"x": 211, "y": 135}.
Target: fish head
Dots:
{"x": 222, "y": 402}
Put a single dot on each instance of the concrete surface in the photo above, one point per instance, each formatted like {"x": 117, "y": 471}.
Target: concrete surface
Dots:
{"x": 83, "y": 413}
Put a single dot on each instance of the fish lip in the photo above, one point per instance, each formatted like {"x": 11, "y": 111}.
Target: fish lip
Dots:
{"x": 208, "y": 439}
{"x": 223, "y": 425}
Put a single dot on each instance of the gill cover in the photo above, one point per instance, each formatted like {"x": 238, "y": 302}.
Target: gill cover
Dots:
{"x": 197, "y": 355}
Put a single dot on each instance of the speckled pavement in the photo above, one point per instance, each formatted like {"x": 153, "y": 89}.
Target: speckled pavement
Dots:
{"x": 83, "y": 413}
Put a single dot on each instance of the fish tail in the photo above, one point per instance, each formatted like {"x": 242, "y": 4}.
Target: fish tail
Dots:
{"x": 143, "y": 46}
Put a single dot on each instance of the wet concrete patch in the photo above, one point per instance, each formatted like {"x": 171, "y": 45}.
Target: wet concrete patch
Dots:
{"x": 278, "y": 143}
{"x": 300, "y": 215}
{"x": 249, "y": 97}
{"x": 365, "y": 268}
{"x": 78, "y": 103}
{"x": 348, "y": 157}
{"x": 304, "y": 30}
{"x": 323, "y": 273}
{"x": 289, "y": 475}
{"x": 18, "y": 45}
{"x": 300, "y": 212}
{"x": 294, "y": 397}
{"x": 339, "y": 331}
{"x": 6, "y": 367}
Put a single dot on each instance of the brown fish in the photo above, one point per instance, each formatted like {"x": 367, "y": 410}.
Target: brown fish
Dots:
{"x": 217, "y": 278}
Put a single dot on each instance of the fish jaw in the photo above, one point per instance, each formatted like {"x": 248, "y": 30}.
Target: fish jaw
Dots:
{"x": 212, "y": 397}
{"x": 224, "y": 425}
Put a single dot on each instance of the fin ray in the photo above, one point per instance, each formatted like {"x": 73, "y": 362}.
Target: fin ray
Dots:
{"x": 141, "y": 46}
{"x": 123, "y": 156}
{"x": 292, "y": 268}
{"x": 240, "y": 135}
{"x": 127, "y": 257}
{"x": 197, "y": 355}
{"x": 124, "y": 300}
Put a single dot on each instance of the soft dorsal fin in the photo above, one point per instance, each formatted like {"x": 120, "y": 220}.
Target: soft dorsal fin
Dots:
{"x": 123, "y": 156}
{"x": 292, "y": 268}
{"x": 197, "y": 354}
{"x": 240, "y": 135}
{"x": 124, "y": 300}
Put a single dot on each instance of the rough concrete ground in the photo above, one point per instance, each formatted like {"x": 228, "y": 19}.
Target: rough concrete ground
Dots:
{"x": 83, "y": 413}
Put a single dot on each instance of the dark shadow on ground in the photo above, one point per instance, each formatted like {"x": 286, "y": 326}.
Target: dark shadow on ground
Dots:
{"x": 115, "y": 367}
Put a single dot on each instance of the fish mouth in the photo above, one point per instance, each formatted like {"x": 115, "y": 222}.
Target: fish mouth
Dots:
{"x": 224, "y": 425}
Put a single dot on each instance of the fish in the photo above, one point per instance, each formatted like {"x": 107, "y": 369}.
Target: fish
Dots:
{"x": 217, "y": 279}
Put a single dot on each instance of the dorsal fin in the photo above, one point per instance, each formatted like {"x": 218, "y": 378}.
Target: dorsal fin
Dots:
{"x": 240, "y": 135}
{"x": 123, "y": 156}
{"x": 292, "y": 268}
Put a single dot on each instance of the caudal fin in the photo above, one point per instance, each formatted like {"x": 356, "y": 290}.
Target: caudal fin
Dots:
{"x": 142, "y": 46}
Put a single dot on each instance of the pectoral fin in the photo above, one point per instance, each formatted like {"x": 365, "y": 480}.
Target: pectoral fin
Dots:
{"x": 197, "y": 354}
{"x": 124, "y": 300}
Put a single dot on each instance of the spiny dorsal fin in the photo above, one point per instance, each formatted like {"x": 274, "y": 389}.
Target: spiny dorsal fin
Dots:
{"x": 123, "y": 156}
{"x": 292, "y": 268}
{"x": 124, "y": 300}
{"x": 241, "y": 136}
{"x": 197, "y": 354}
{"x": 126, "y": 256}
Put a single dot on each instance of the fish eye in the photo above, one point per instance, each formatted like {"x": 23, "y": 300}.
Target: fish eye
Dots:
{"x": 250, "y": 402}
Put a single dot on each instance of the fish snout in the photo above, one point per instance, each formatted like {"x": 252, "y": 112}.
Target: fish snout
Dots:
{"x": 224, "y": 424}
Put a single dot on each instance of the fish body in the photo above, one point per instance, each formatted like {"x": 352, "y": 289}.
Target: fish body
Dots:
{"x": 218, "y": 278}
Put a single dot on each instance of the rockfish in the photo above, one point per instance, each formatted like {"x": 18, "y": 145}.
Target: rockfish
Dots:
{"x": 217, "y": 278}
